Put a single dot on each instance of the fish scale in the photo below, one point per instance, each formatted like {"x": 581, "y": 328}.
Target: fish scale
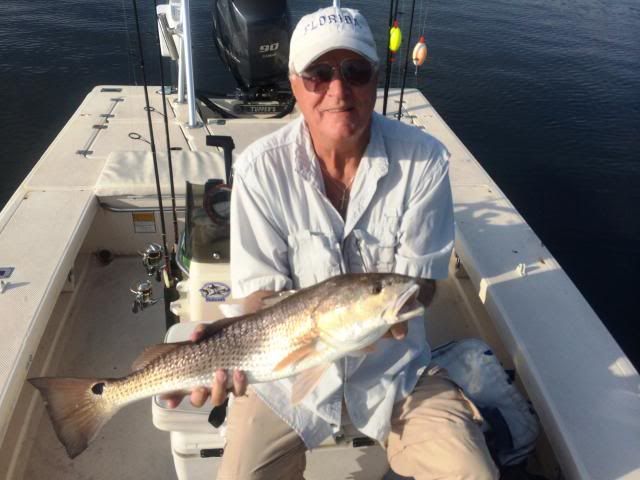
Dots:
{"x": 301, "y": 335}
{"x": 254, "y": 347}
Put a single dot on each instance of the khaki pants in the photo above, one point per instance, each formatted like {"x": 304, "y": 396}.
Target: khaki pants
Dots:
{"x": 435, "y": 434}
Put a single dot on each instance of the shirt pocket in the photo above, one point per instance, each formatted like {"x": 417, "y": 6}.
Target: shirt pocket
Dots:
{"x": 378, "y": 248}
{"x": 313, "y": 257}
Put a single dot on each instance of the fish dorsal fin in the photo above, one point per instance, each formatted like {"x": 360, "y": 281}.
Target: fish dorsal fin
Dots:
{"x": 306, "y": 381}
{"x": 277, "y": 297}
{"x": 153, "y": 352}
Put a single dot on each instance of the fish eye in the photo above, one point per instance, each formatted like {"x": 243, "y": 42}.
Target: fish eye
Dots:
{"x": 376, "y": 289}
{"x": 98, "y": 388}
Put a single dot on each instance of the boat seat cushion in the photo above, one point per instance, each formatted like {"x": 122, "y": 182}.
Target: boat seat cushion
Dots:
{"x": 131, "y": 174}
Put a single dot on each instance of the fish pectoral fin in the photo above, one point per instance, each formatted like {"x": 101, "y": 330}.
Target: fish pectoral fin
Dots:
{"x": 296, "y": 356}
{"x": 306, "y": 381}
{"x": 149, "y": 354}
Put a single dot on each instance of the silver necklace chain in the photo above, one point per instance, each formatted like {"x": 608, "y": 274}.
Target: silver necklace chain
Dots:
{"x": 343, "y": 189}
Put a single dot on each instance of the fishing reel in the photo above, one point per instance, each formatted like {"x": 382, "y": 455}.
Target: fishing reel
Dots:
{"x": 152, "y": 260}
{"x": 143, "y": 296}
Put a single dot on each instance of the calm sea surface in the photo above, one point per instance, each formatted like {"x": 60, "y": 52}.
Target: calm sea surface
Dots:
{"x": 545, "y": 94}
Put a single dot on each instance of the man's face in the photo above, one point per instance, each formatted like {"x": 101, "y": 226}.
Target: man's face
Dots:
{"x": 338, "y": 110}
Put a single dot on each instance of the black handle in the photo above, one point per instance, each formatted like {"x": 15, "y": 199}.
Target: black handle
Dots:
{"x": 226, "y": 143}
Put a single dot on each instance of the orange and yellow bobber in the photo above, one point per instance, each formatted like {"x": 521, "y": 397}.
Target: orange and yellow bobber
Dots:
{"x": 420, "y": 52}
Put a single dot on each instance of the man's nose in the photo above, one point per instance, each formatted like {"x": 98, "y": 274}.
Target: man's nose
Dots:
{"x": 338, "y": 87}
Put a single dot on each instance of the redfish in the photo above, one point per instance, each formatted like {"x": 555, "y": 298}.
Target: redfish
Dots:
{"x": 300, "y": 335}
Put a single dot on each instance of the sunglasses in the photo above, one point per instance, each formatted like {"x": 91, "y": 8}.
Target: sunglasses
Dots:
{"x": 356, "y": 72}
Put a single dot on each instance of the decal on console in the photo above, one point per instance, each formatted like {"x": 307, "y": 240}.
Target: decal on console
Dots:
{"x": 215, "y": 291}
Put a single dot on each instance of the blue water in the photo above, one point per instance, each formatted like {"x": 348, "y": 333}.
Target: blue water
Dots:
{"x": 545, "y": 94}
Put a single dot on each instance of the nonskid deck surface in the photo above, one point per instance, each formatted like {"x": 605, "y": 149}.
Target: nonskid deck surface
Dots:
{"x": 103, "y": 340}
{"x": 539, "y": 319}
{"x": 104, "y": 337}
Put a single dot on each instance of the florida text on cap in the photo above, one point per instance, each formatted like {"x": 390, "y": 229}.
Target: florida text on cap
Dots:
{"x": 329, "y": 29}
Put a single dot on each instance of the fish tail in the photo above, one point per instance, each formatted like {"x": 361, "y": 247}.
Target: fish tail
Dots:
{"x": 77, "y": 409}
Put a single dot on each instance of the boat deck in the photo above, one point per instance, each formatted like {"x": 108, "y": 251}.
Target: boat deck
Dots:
{"x": 66, "y": 314}
{"x": 102, "y": 337}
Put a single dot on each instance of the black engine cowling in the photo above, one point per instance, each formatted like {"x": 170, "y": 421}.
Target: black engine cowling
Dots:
{"x": 252, "y": 37}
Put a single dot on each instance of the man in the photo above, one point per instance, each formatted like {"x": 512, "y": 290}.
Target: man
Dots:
{"x": 342, "y": 189}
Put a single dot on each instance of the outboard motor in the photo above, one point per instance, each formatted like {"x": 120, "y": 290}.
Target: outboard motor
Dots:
{"x": 252, "y": 38}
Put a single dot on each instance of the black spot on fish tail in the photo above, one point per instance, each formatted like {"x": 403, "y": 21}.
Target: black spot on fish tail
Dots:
{"x": 77, "y": 408}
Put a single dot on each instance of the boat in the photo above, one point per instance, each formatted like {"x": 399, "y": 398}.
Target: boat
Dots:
{"x": 70, "y": 242}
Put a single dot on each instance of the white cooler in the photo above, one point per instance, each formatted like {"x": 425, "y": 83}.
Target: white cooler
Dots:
{"x": 197, "y": 447}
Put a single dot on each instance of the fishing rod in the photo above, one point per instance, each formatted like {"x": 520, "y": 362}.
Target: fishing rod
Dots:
{"x": 406, "y": 58}
{"x": 166, "y": 132}
{"x": 387, "y": 75}
{"x": 152, "y": 143}
{"x": 395, "y": 11}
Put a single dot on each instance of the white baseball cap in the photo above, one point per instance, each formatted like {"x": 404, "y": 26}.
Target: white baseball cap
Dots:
{"x": 329, "y": 29}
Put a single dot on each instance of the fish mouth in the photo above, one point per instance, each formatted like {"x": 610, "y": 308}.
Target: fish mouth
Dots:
{"x": 407, "y": 306}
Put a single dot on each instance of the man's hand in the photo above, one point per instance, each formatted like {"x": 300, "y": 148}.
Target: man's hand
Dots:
{"x": 219, "y": 390}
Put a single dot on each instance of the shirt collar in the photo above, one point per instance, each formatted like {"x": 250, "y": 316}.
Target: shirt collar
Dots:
{"x": 306, "y": 163}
